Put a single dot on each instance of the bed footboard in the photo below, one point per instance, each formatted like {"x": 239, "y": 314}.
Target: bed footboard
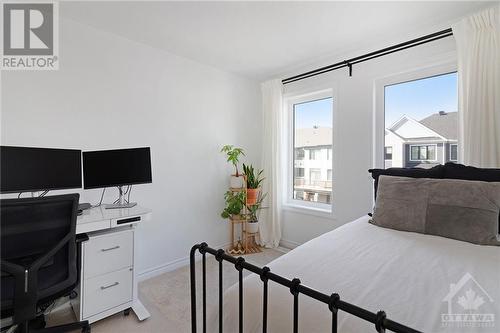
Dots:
{"x": 333, "y": 301}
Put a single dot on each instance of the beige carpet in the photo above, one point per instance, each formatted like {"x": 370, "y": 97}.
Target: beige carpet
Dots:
{"x": 167, "y": 297}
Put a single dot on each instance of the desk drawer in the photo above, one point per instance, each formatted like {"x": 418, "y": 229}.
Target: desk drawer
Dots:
{"x": 108, "y": 253}
{"x": 107, "y": 291}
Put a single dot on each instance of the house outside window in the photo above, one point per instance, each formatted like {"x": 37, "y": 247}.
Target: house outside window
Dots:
{"x": 311, "y": 131}
{"x": 423, "y": 153}
{"x": 453, "y": 152}
{"x": 421, "y": 119}
{"x": 388, "y": 153}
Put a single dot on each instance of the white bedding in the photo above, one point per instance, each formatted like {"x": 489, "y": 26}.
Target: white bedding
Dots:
{"x": 405, "y": 274}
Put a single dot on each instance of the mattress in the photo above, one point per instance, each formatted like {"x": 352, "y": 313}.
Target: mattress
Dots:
{"x": 426, "y": 282}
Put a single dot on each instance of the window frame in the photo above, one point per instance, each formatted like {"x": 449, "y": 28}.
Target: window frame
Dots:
{"x": 288, "y": 201}
{"x": 424, "y": 145}
{"x": 438, "y": 68}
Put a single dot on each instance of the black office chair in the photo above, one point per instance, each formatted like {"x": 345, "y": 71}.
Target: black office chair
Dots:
{"x": 39, "y": 262}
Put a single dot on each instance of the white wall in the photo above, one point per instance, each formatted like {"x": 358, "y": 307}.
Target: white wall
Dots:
{"x": 354, "y": 135}
{"x": 111, "y": 92}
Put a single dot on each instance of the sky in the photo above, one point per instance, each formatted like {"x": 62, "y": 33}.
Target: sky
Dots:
{"x": 315, "y": 113}
{"x": 421, "y": 98}
{"x": 417, "y": 99}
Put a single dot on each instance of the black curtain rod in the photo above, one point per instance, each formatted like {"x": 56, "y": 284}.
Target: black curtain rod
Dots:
{"x": 372, "y": 55}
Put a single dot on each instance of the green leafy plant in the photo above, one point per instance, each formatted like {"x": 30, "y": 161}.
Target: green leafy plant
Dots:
{"x": 254, "y": 178}
{"x": 233, "y": 156}
{"x": 254, "y": 209}
{"x": 235, "y": 201}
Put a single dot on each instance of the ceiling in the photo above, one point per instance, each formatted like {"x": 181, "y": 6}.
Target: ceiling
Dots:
{"x": 263, "y": 39}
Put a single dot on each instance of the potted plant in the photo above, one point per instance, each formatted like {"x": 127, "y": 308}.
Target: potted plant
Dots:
{"x": 235, "y": 201}
{"x": 233, "y": 156}
{"x": 253, "y": 220}
{"x": 254, "y": 179}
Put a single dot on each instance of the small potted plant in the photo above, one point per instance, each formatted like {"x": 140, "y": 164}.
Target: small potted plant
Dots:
{"x": 233, "y": 156}
{"x": 254, "y": 179}
{"x": 235, "y": 201}
{"x": 253, "y": 220}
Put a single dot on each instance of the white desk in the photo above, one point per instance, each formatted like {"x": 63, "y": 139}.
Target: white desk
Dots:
{"x": 108, "y": 282}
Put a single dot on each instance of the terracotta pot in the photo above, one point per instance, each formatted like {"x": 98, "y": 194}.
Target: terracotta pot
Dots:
{"x": 252, "y": 195}
{"x": 236, "y": 182}
{"x": 252, "y": 227}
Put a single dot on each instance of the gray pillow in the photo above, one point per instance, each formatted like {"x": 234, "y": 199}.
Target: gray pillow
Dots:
{"x": 459, "y": 209}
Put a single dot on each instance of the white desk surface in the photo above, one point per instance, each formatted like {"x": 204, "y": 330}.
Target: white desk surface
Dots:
{"x": 101, "y": 213}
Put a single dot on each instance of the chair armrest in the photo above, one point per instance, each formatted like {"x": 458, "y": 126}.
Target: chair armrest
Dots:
{"x": 81, "y": 238}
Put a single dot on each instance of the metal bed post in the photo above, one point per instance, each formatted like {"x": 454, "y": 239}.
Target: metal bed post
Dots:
{"x": 294, "y": 290}
{"x": 218, "y": 257}
{"x": 333, "y": 306}
{"x": 265, "y": 279}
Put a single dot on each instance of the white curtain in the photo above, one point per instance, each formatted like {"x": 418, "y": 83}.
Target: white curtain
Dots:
{"x": 478, "y": 48}
{"x": 272, "y": 162}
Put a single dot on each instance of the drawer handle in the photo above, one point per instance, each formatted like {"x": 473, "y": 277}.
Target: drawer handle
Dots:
{"x": 110, "y": 286}
{"x": 111, "y": 248}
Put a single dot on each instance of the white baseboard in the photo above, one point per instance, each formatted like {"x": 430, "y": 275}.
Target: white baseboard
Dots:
{"x": 169, "y": 266}
{"x": 282, "y": 249}
{"x": 288, "y": 244}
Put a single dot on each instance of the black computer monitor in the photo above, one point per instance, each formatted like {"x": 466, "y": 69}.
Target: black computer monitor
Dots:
{"x": 120, "y": 167}
{"x": 27, "y": 169}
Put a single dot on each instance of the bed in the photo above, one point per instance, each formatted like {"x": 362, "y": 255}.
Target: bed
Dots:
{"x": 409, "y": 275}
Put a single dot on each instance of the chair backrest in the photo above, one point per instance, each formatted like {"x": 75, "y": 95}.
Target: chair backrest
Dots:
{"x": 38, "y": 251}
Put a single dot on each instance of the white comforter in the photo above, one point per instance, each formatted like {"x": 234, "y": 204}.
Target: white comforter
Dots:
{"x": 408, "y": 275}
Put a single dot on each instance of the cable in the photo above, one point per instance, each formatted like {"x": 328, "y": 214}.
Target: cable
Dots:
{"x": 100, "y": 201}
{"x": 19, "y": 195}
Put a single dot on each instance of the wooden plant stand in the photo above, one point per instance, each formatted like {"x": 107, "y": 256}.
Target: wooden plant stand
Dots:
{"x": 248, "y": 240}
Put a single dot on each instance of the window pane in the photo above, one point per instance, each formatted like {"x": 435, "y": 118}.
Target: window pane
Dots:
{"x": 421, "y": 120}
{"x": 423, "y": 153}
{"x": 299, "y": 172}
{"x": 453, "y": 152}
{"x": 431, "y": 153}
{"x": 415, "y": 153}
{"x": 299, "y": 154}
{"x": 313, "y": 133}
{"x": 388, "y": 153}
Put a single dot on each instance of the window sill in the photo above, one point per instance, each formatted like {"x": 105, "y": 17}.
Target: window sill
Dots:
{"x": 308, "y": 210}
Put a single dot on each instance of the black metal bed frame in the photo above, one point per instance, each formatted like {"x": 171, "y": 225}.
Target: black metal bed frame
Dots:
{"x": 333, "y": 301}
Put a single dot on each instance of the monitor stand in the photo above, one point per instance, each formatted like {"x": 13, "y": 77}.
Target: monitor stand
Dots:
{"x": 122, "y": 203}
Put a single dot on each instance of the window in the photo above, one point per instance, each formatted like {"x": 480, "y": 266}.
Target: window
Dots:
{"x": 299, "y": 172}
{"x": 453, "y": 152}
{"x": 314, "y": 175}
{"x": 421, "y": 118}
{"x": 423, "y": 153}
{"x": 312, "y": 122}
{"x": 300, "y": 154}
{"x": 315, "y": 154}
{"x": 388, "y": 153}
